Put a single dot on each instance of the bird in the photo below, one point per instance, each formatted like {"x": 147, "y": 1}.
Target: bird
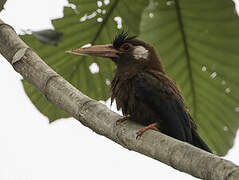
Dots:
{"x": 143, "y": 90}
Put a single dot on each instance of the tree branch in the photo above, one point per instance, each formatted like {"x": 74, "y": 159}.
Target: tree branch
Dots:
{"x": 179, "y": 155}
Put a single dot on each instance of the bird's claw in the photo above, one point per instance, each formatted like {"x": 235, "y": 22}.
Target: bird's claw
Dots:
{"x": 152, "y": 126}
{"x": 124, "y": 118}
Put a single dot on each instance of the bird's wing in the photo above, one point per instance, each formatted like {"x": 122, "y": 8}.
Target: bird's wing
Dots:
{"x": 162, "y": 95}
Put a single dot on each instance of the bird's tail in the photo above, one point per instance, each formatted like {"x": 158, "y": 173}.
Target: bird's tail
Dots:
{"x": 198, "y": 142}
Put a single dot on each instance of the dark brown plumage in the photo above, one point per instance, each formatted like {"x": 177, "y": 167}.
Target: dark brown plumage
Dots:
{"x": 142, "y": 89}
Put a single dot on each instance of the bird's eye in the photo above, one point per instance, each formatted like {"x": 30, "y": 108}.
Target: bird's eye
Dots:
{"x": 126, "y": 47}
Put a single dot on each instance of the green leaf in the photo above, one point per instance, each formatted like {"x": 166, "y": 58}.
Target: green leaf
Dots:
{"x": 2, "y": 2}
{"x": 198, "y": 42}
{"x": 80, "y": 26}
{"x": 48, "y": 36}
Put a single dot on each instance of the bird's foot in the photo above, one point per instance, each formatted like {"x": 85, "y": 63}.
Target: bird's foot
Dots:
{"x": 152, "y": 126}
{"x": 124, "y": 118}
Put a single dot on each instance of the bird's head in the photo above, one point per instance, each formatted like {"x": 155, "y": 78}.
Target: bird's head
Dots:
{"x": 125, "y": 51}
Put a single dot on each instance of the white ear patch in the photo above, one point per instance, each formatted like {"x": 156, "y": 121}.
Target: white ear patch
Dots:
{"x": 140, "y": 52}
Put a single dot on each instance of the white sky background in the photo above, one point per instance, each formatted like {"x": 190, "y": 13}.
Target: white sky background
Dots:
{"x": 33, "y": 149}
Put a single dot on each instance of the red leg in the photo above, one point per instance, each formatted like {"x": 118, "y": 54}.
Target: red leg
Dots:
{"x": 124, "y": 118}
{"x": 151, "y": 126}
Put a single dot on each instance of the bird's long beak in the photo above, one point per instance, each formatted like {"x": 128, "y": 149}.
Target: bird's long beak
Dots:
{"x": 106, "y": 51}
